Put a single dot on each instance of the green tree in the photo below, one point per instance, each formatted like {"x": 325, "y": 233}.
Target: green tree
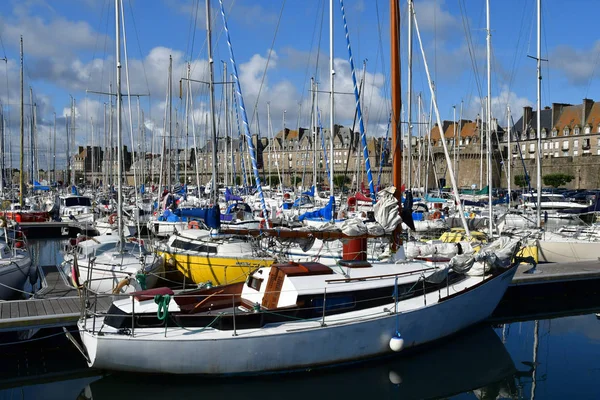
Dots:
{"x": 557, "y": 180}
{"x": 340, "y": 180}
{"x": 274, "y": 179}
{"x": 520, "y": 180}
{"x": 296, "y": 180}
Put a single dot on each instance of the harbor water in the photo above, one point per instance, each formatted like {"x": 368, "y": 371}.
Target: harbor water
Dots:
{"x": 542, "y": 359}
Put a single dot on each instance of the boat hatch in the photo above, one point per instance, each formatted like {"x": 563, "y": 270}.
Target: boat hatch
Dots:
{"x": 354, "y": 264}
{"x": 303, "y": 269}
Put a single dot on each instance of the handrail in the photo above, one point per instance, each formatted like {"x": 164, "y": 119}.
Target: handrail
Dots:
{"x": 379, "y": 276}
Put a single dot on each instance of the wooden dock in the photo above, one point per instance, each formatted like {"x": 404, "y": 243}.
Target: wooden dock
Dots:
{"x": 550, "y": 290}
{"x": 56, "y": 304}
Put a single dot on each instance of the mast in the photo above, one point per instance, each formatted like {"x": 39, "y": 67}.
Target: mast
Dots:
{"x": 395, "y": 118}
{"x": 331, "y": 105}
{"x": 22, "y": 127}
{"x": 489, "y": 117}
{"x": 187, "y": 125}
{"x": 170, "y": 152}
{"x": 409, "y": 96}
{"x": 509, "y": 154}
{"x": 538, "y": 113}
{"x": 226, "y": 96}
{"x": 211, "y": 89}
{"x": 119, "y": 133}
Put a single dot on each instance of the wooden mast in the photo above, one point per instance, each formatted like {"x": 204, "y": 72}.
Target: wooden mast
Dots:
{"x": 396, "y": 107}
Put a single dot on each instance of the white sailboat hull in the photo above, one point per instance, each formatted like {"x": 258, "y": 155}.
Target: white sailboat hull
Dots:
{"x": 296, "y": 345}
{"x": 567, "y": 251}
{"x": 13, "y": 274}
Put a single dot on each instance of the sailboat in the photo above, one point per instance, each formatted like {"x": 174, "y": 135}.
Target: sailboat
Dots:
{"x": 297, "y": 316}
{"x": 112, "y": 263}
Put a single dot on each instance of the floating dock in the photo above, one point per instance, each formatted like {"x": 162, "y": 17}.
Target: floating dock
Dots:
{"x": 547, "y": 291}
{"x": 56, "y": 304}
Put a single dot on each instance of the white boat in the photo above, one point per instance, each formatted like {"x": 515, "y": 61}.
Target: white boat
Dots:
{"x": 103, "y": 266}
{"x": 15, "y": 263}
{"x": 77, "y": 208}
{"x": 275, "y": 321}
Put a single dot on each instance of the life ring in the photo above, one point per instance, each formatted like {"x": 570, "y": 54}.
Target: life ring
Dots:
{"x": 112, "y": 218}
{"x": 264, "y": 224}
{"x": 193, "y": 225}
{"x": 124, "y": 282}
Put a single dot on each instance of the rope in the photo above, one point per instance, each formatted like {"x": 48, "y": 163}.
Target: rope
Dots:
{"x": 162, "y": 313}
{"x": 37, "y": 339}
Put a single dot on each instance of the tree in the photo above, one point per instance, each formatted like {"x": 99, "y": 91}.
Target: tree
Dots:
{"x": 340, "y": 180}
{"x": 296, "y": 180}
{"x": 557, "y": 180}
{"x": 521, "y": 180}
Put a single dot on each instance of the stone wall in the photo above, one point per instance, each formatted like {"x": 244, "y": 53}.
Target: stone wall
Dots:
{"x": 585, "y": 169}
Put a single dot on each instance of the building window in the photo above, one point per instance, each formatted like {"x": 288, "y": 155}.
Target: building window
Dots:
{"x": 556, "y": 144}
{"x": 546, "y": 146}
{"x": 576, "y": 130}
{"x": 565, "y": 153}
{"x": 556, "y": 154}
{"x": 524, "y": 136}
{"x": 587, "y": 130}
{"x": 531, "y": 134}
{"x": 523, "y": 148}
{"x": 575, "y": 144}
{"x": 544, "y": 133}
{"x": 566, "y": 131}
{"x": 554, "y": 132}
{"x": 532, "y": 148}
{"x": 575, "y": 152}
{"x": 586, "y": 144}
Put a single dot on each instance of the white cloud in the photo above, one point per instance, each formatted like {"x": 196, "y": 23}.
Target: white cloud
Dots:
{"x": 577, "y": 65}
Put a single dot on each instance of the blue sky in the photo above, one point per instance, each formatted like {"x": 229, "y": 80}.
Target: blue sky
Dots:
{"x": 69, "y": 47}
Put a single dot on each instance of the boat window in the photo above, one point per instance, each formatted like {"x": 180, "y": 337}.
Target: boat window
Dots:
{"x": 334, "y": 303}
{"x": 78, "y": 201}
{"x": 254, "y": 283}
{"x": 191, "y": 246}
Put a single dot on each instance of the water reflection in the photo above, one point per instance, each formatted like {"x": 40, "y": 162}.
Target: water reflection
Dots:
{"x": 475, "y": 361}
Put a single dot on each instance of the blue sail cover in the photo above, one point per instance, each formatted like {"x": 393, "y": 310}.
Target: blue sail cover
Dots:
{"x": 310, "y": 192}
{"x": 74, "y": 190}
{"x": 210, "y": 216}
{"x": 38, "y": 186}
{"x": 325, "y": 213}
{"x": 231, "y": 197}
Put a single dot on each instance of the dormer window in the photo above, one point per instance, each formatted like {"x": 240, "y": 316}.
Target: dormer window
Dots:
{"x": 554, "y": 132}
{"x": 531, "y": 134}
{"x": 524, "y": 136}
{"x": 566, "y": 131}
{"x": 544, "y": 134}
{"x": 576, "y": 130}
{"x": 587, "y": 130}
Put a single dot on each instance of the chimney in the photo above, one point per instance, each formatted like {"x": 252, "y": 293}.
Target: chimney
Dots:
{"x": 527, "y": 115}
{"x": 587, "y": 107}
{"x": 557, "y": 109}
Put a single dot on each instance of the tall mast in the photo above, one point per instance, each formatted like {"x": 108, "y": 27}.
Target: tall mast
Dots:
{"x": 21, "y": 183}
{"x": 489, "y": 117}
{"x": 331, "y": 104}
{"x": 226, "y": 96}
{"x": 211, "y": 90}
{"x": 54, "y": 151}
{"x": 396, "y": 107}
{"x": 170, "y": 152}
{"x": 538, "y": 113}
{"x": 509, "y": 154}
{"x": 119, "y": 133}
{"x": 409, "y": 96}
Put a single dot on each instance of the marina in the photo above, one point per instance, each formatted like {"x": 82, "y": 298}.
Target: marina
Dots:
{"x": 247, "y": 231}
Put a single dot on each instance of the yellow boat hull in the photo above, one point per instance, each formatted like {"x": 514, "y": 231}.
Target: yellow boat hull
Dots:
{"x": 219, "y": 270}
